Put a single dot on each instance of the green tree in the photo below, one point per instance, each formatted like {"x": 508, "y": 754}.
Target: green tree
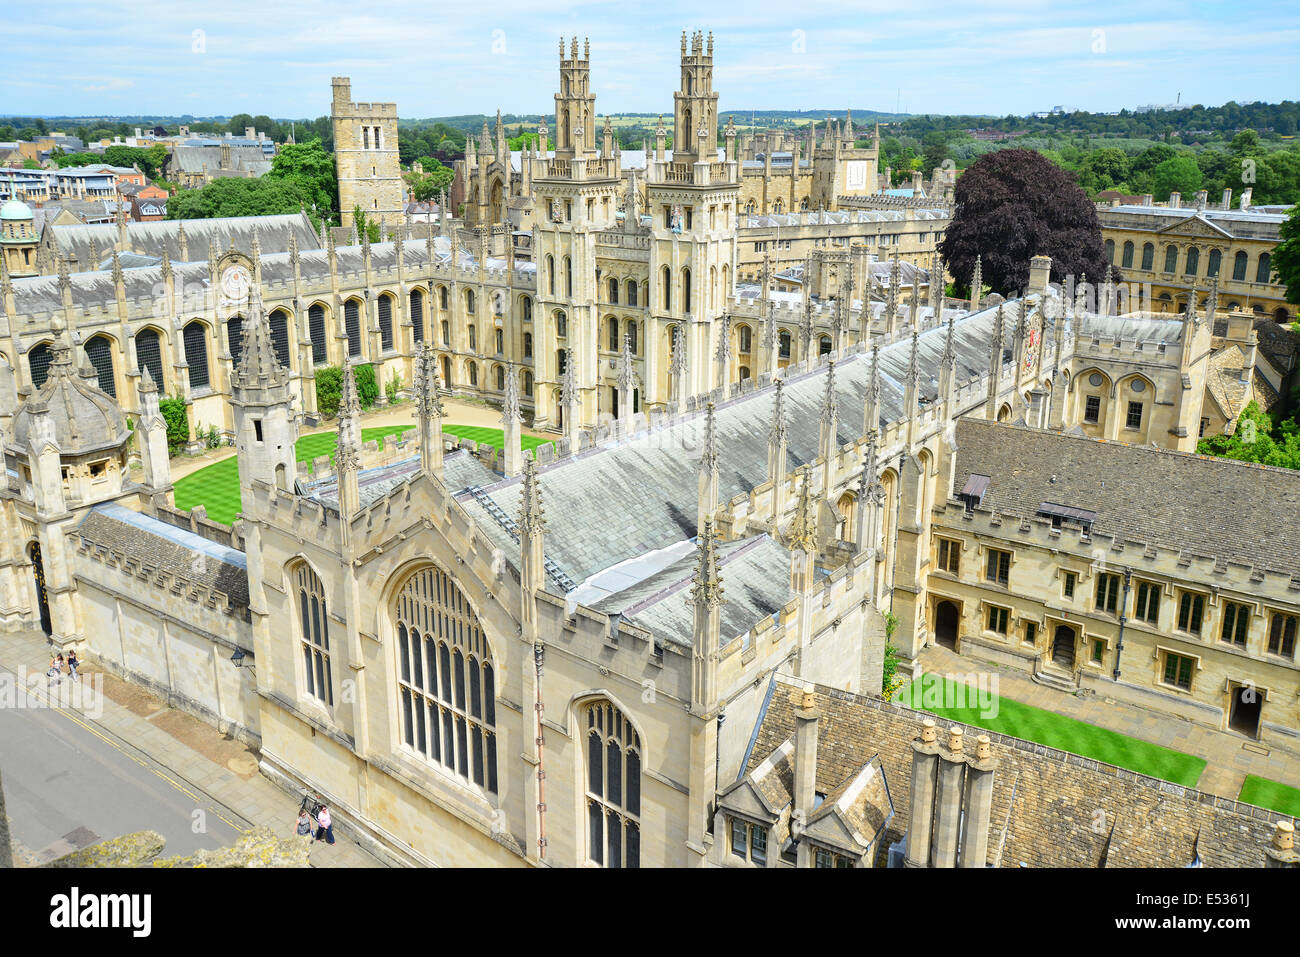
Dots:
{"x": 176, "y": 415}
{"x": 1257, "y": 439}
{"x": 236, "y": 197}
{"x": 367, "y": 386}
{"x": 367, "y": 226}
{"x": 329, "y": 388}
{"x": 1286, "y": 256}
{"x": 310, "y": 169}
{"x": 1106, "y": 168}
{"x": 1178, "y": 174}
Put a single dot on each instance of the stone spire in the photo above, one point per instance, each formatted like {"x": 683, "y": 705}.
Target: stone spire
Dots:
{"x": 428, "y": 407}
{"x": 512, "y": 420}
{"x": 347, "y": 456}
{"x": 259, "y": 367}
{"x": 802, "y": 536}
{"x": 947, "y": 368}
{"x": 531, "y": 514}
{"x": 936, "y": 286}
{"x": 891, "y": 296}
{"x": 777, "y": 445}
{"x": 706, "y": 598}
{"x": 1212, "y": 300}
{"x": 995, "y": 366}
{"x": 677, "y": 365}
{"x": 977, "y": 285}
{"x": 708, "y": 486}
{"x": 871, "y": 411}
{"x": 913, "y": 373}
{"x": 830, "y": 416}
{"x": 630, "y": 220}
{"x": 914, "y": 308}
{"x": 569, "y": 400}
{"x": 1107, "y": 304}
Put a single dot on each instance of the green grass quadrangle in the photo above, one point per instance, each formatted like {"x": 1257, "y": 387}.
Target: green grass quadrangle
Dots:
{"x": 1065, "y": 734}
{"x": 216, "y": 486}
{"x": 1262, "y": 792}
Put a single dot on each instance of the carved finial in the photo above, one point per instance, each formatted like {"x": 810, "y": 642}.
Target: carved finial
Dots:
{"x": 709, "y": 460}
{"x": 776, "y": 434}
{"x": 803, "y": 530}
{"x": 531, "y": 514}
{"x": 830, "y": 400}
{"x": 707, "y": 588}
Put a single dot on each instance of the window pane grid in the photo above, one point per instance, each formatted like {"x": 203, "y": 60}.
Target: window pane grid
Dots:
{"x": 447, "y": 651}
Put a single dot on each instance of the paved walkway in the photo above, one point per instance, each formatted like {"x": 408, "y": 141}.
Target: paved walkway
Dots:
{"x": 221, "y": 773}
{"x": 456, "y": 412}
{"x": 1229, "y": 757}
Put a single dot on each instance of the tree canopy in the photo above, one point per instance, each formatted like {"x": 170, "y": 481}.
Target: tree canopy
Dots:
{"x": 1258, "y": 439}
{"x": 1286, "y": 256}
{"x": 1013, "y": 205}
{"x": 310, "y": 169}
{"x": 237, "y": 197}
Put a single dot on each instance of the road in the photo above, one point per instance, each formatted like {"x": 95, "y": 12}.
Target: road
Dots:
{"x": 68, "y": 783}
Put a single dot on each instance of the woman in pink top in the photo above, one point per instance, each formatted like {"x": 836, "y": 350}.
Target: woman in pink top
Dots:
{"x": 325, "y": 826}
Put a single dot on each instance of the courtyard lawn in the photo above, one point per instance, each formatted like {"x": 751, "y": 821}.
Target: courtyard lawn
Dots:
{"x": 1262, "y": 792}
{"x": 1066, "y": 734}
{"x": 216, "y": 486}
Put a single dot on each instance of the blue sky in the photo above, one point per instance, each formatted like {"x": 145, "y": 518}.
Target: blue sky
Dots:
{"x": 434, "y": 58}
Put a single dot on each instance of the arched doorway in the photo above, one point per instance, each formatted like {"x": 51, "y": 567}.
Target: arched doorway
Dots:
{"x": 946, "y": 618}
{"x": 1063, "y": 646}
{"x": 1244, "y": 714}
{"x": 42, "y": 600}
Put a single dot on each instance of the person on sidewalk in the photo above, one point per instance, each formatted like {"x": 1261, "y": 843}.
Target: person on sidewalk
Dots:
{"x": 73, "y": 663}
{"x": 56, "y": 669}
{"x": 325, "y": 826}
{"x": 304, "y": 825}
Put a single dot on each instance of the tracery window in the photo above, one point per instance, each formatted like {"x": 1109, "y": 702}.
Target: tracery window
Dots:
{"x": 613, "y": 787}
{"x": 446, "y": 679}
{"x": 314, "y": 637}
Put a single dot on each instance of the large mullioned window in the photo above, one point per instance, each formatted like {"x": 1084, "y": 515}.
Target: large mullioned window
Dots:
{"x": 314, "y": 637}
{"x": 446, "y": 680}
{"x": 613, "y": 787}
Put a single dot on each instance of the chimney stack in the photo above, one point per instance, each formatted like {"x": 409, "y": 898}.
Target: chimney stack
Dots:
{"x": 952, "y": 782}
{"x": 925, "y": 764}
{"x": 1147, "y": 199}
{"x": 1040, "y": 273}
{"x": 979, "y": 803}
{"x": 805, "y": 758}
{"x": 1227, "y": 199}
{"x": 1282, "y": 852}
{"x": 1175, "y": 200}
{"x": 1245, "y": 197}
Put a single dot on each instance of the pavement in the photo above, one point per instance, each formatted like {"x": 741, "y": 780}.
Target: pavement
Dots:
{"x": 1229, "y": 756}
{"x": 455, "y": 412}
{"x": 79, "y": 769}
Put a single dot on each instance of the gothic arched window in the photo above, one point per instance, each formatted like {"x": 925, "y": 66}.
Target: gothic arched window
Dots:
{"x": 631, "y": 334}
{"x": 1148, "y": 256}
{"x": 314, "y": 637}
{"x": 316, "y": 329}
{"x": 528, "y": 345}
{"x": 1262, "y": 270}
{"x": 417, "y": 315}
{"x": 783, "y": 340}
{"x": 38, "y": 363}
{"x": 148, "y": 355}
{"x": 1193, "y": 262}
{"x": 352, "y": 325}
{"x": 234, "y": 340}
{"x": 631, "y": 292}
{"x": 1127, "y": 261}
{"x": 613, "y": 784}
{"x": 195, "y": 338}
{"x": 666, "y": 283}
{"x": 1216, "y": 262}
{"x": 561, "y": 324}
{"x": 612, "y": 324}
{"x": 100, "y": 353}
{"x": 528, "y": 308}
{"x": 469, "y": 301}
{"x": 613, "y": 291}
{"x": 1171, "y": 258}
{"x": 279, "y": 326}
{"x": 501, "y": 378}
{"x": 446, "y": 679}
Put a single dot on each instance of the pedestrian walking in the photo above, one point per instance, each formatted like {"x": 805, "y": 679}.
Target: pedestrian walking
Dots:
{"x": 304, "y": 824}
{"x": 325, "y": 826}
{"x": 56, "y": 669}
{"x": 73, "y": 663}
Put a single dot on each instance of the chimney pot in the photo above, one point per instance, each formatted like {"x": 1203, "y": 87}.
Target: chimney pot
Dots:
{"x": 1284, "y": 836}
{"x": 928, "y": 733}
{"x": 808, "y": 699}
{"x": 982, "y": 747}
{"x": 954, "y": 739}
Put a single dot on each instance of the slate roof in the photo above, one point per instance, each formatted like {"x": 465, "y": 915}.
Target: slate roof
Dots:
{"x": 1040, "y": 795}
{"x": 160, "y": 547}
{"x": 1235, "y": 511}
{"x": 641, "y": 494}
{"x": 755, "y": 575}
{"x": 460, "y": 470}
{"x": 152, "y": 238}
